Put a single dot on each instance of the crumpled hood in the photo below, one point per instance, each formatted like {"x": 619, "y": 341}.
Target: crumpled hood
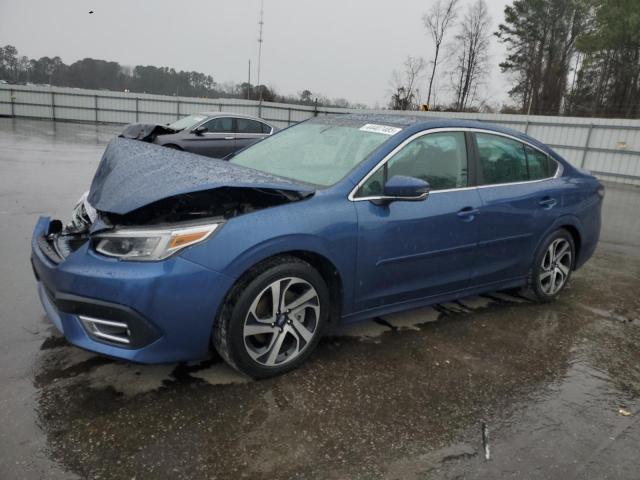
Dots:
{"x": 133, "y": 174}
{"x": 147, "y": 132}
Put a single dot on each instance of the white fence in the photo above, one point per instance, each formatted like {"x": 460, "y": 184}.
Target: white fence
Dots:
{"x": 608, "y": 147}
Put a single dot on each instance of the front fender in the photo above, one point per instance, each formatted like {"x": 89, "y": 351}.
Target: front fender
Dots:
{"x": 307, "y": 244}
{"x": 323, "y": 227}
{"x": 279, "y": 246}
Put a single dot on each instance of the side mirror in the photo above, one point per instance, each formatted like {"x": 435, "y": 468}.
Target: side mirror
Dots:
{"x": 404, "y": 188}
{"x": 200, "y": 130}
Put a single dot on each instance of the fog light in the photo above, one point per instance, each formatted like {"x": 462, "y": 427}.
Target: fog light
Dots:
{"x": 108, "y": 330}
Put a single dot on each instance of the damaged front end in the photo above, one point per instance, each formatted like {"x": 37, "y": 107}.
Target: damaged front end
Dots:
{"x": 58, "y": 241}
{"x": 161, "y": 229}
{"x": 145, "y": 132}
{"x": 219, "y": 204}
{"x": 147, "y": 203}
{"x": 109, "y": 278}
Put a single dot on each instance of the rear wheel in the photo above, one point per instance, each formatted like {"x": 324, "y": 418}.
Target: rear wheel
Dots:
{"x": 553, "y": 265}
{"x": 272, "y": 321}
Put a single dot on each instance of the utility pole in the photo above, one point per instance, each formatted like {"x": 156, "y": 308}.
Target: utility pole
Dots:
{"x": 249, "y": 82}
{"x": 261, "y": 24}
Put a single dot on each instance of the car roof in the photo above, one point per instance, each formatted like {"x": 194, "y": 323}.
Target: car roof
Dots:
{"x": 230, "y": 114}
{"x": 402, "y": 120}
{"x": 425, "y": 123}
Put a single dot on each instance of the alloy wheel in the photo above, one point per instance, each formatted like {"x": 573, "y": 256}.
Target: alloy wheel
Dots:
{"x": 281, "y": 321}
{"x": 556, "y": 265}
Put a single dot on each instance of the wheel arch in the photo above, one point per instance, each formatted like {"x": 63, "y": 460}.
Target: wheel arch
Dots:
{"x": 574, "y": 227}
{"x": 577, "y": 241}
{"x": 331, "y": 276}
{"x": 325, "y": 266}
{"x": 175, "y": 146}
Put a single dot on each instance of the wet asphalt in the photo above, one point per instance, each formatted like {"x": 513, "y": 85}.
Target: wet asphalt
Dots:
{"x": 554, "y": 388}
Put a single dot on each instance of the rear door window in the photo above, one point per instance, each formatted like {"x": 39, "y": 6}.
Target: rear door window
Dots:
{"x": 246, "y": 125}
{"x": 502, "y": 160}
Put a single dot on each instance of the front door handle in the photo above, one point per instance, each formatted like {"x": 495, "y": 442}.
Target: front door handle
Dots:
{"x": 468, "y": 214}
{"x": 229, "y": 138}
{"x": 548, "y": 203}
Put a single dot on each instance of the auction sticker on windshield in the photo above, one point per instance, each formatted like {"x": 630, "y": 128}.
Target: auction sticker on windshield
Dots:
{"x": 385, "y": 129}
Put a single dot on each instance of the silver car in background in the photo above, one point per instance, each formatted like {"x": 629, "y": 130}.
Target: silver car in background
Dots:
{"x": 213, "y": 134}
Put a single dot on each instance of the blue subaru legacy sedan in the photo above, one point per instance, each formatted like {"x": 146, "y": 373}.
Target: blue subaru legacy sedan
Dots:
{"x": 336, "y": 219}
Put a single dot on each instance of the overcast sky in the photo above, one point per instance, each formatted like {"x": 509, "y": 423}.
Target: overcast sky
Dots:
{"x": 338, "y": 48}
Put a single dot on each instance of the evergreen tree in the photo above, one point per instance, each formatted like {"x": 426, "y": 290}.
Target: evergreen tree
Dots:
{"x": 608, "y": 82}
{"x": 540, "y": 36}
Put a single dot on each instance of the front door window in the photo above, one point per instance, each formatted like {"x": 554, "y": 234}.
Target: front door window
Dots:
{"x": 219, "y": 125}
{"x": 438, "y": 158}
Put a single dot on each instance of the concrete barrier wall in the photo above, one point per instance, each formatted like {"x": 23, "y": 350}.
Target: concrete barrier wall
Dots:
{"x": 608, "y": 147}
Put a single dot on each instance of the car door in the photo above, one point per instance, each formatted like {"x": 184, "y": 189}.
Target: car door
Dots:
{"x": 217, "y": 141}
{"x": 249, "y": 131}
{"x": 409, "y": 250}
{"x": 519, "y": 203}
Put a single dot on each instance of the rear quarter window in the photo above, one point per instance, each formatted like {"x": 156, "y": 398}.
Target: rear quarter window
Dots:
{"x": 540, "y": 165}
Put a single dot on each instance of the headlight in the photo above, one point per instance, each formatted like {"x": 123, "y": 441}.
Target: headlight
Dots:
{"x": 151, "y": 244}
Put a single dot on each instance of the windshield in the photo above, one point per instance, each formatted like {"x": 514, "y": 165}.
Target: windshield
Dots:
{"x": 313, "y": 152}
{"x": 187, "y": 122}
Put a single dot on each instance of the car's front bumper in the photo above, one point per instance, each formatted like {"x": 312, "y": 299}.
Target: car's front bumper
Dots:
{"x": 169, "y": 306}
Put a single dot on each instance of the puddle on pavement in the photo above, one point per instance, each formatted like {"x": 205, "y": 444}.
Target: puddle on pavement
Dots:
{"x": 401, "y": 396}
{"x": 62, "y": 360}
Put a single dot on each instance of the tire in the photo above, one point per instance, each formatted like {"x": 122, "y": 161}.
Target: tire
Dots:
{"x": 552, "y": 266}
{"x": 261, "y": 339}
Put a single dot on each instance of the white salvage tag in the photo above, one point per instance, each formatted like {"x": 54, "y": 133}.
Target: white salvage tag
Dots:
{"x": 384, "y": 129}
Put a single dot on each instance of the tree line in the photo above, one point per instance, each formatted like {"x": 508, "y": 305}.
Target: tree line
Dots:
{"x": 98, "y": 74}
{"x": 564, "y": 57}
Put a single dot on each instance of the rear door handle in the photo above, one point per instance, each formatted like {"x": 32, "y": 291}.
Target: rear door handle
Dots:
{"x": 229, "y": 138}
{"x": 468, "y": 214}
{"x": 548, "y": 203}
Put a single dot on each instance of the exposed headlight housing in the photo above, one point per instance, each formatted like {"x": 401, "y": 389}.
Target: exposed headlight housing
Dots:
{"x": 150, "y": 244}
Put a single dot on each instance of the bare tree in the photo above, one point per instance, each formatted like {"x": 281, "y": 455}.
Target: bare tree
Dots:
{"x": 472, "y": 43}
{"x": 437, "y": 20}
{"x": 405, "y": 93}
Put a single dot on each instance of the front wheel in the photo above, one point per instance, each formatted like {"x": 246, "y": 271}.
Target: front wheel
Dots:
{"x": 272, "y": 321}
{"x": 552, "y": 266}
